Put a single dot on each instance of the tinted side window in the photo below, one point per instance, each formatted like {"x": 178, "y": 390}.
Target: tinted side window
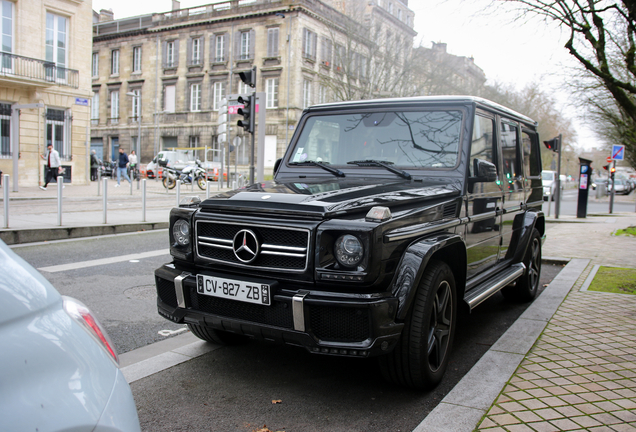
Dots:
{"x": 511, "y": 165}
{"x": 482, "y": 142}
{"x": 531, "y": 154}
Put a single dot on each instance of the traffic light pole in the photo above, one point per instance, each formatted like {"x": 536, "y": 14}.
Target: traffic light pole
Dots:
{"x": 612, "y": 171}
{"x": 557, "y": 205}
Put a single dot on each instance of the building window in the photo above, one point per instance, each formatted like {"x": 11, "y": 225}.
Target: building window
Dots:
{"x": 114, "y": 62}
{"x": 6, "y": 29}
{"x": 57, "y": 131}
{"x": 327, "y": 48}
{"x": 195, "y": 51}
{"x": 195, "y": 97}
{"x": 272, "y": 42}
{"x": 219, "y": 93}
{"x": 169, "y": 101}
{"x": 362, "y": 67}
{"x": 390, "y": 8}
{"x": 309, "y": 44}
{"x": 271, "y": 88}
{"x": 95, "y": 109}
{"x": 244, "y": 53}
{"x": 171, "y": 54}
{"x": 114, "y": 107}
{"x": 306, "y": 93}
{"x": 95, "y": 65}
{"x": 136, "y": 66}
{"x": 399, "y": 14}
{"x": 194, "y": 141}
{"x": 136, "y": 105}
{"x": 5, "y": 129}
{"x": 243, "y": 88}
{"x": 322, "y": 94}
{"x": 56, "y": 44}
{"x": 220, "y": 48}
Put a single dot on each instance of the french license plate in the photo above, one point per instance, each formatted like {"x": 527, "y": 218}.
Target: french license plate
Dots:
{"x": 234, "y": 289}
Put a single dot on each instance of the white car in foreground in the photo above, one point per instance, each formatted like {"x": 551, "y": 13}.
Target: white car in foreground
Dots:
{"x": 59, "y": 368}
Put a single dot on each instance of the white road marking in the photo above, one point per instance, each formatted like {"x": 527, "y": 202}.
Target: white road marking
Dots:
{"x": 103, "y": 261}
{"x": 171, "y": 332}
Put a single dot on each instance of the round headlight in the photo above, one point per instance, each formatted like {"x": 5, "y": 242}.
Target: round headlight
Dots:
{"x": 348, "y": 250}
{"x": 181, "y": 232}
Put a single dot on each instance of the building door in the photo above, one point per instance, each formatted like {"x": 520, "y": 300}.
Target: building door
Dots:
{"x": 97, "y": 144}
{"x": 114, "y": 147}
{"x": 270, "y": 151}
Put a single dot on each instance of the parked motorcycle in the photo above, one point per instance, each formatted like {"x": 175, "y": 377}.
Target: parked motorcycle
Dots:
{"x": 187, "y": 175}
{"x": 108, "y": 169}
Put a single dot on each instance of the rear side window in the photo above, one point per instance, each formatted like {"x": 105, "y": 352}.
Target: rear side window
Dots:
{"x": 509, "y": 154}
{"x": 482, "y": 142}
{"x": 531, "y": 154}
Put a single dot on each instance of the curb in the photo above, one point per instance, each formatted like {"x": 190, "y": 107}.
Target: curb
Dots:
{"x": 19, "y": 236}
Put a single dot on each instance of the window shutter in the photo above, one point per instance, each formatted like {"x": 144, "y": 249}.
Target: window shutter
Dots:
{"x": 237, "y": 45}
{"x": 314, "y": 43}
{"x": 164, "y": 53}
{"x": 226, "y": 47}
{"x": 190, "y": 42}
{"x": 305, "y": 42}
{"x": 252, "y": 43}
{"x": 176, "y": 53}
{"x": 201, "y": 50}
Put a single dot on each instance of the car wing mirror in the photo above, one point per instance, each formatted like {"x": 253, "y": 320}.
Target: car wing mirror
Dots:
{"x": 486, "y": 172}
{"x": 277, "y": 165}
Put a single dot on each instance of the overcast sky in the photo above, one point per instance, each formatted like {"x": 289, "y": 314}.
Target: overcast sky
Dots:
{"x": 508, "y": 51}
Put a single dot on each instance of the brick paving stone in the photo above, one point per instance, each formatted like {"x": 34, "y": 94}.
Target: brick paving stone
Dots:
{"x": 495, "y": 410}
{"x": 606, "y": 418}
{"x": 568, "y": 411}
{"x": 586, "y": 421}
{"x": 593, "y": 387}
{"x": 503, "y": 398}
{"x": 561, "y": 381}
{"x": 576, "y": 388}
{"x": 591, "y": 397}
{"x": 602, "y": 429}
{"x": 543, "y": 427}
{"x": 519, "y": 395}
{"x": 607, "y": 406}
{"x": 505, "y": 419}
{"x": 573, "y": 399}
{"x": 525, "y": 385}
{"x": 627, "y": 393}
{"x": 487, "y": 423}
{"x": 588, "y": 408}
{"x": 557, "y": 390}
{"x": 533, "y": 404}
{"x": 538, "y": 393}
{"x": 611, "y": 385}
{"x": 553, "y": 401}
{"x": 527, "y": 416}
{"x": 565, "y": 424}
{"x": 624, "y": 428}
{"x": 579, "y": 379}
{"x": 520, "y": 428}
{"x": 515, "y": 406}
{"x": 625, "y": 403}
{"x": 548, "y": 414}
{"x": 626, "y": 416}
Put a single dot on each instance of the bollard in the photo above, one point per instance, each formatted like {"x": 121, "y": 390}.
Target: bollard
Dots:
{"x": 5, "y": 199}
{"x": 105, "y": 198}
{"x": 143, "y": 200}
{"x": 207, "y": 189}
{"x": 178, "y": 191}
{"x": 99, "y": 181}
{"x": 131, "y": 187}
{"x": 60, "y": 186}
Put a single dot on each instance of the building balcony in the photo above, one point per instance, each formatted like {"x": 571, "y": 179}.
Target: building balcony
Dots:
{"x": 30, "y": 72}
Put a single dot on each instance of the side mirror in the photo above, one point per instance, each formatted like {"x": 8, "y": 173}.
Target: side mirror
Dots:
{"x": 277, "y": 165}
{"x": 485, "y": 172}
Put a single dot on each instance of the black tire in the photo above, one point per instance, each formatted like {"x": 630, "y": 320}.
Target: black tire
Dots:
{"x": 201, "y": 182}
{"x": 527, "y": 286}
{"x": 421, "y": 356}
{"x": 169, "y": 182}
{"x": 219, "y": 337}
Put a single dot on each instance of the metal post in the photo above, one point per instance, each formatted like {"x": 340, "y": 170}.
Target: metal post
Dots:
{"x": 130, "y": 187}
{"x": 105, "y": 198}
{"x": 60, "y": 185}
{"x": 557, "y": 203}
{"x": 222, "y": 169}
{"x": 178, "y": 192}
{"x": 612, "y": 177}
{"x": 5, "y": 198}
{"x": 143, "y": 200}
{"x": 99, "y": 181}
{"x": 207, "y": 189}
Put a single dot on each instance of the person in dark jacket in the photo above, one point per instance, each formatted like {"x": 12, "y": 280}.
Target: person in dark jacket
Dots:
{"x": 121, "y": 167}
{"x": 94, "y": 165}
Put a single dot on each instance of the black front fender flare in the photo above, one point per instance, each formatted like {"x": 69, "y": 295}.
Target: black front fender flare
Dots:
{"x": 412, "y": 266}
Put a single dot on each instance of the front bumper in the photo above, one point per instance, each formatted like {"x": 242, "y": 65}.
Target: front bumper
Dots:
{"x": 359, "y": 327}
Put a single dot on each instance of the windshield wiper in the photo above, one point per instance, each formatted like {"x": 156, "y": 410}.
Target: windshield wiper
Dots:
{"x": 334, "y": 171}
{"x": 384, "y": 164}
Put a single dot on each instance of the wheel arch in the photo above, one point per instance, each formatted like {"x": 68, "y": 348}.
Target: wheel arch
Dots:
{"x": 531, "y": 220}
{"x": 446, "y": 247}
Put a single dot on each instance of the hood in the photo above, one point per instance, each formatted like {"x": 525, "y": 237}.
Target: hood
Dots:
{"x": 323, "y": 198}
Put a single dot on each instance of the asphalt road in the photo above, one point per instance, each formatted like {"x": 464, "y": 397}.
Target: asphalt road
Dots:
{"x": 232, "y": 388}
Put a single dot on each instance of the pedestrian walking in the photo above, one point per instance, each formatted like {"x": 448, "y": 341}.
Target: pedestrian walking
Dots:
{"x": 53, "y": 165}
{"x": 121, "y": 167}
{"x": 132, "y": 159}
{"x": 94, "y": 165}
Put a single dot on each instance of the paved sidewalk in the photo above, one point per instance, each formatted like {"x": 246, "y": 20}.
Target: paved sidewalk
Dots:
{"x": 569, "y": 362}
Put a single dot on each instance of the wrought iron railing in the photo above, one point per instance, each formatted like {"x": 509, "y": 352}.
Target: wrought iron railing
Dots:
{"x": 12, "y": 65}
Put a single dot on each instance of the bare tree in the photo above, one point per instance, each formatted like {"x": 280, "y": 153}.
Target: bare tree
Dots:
{"x": 602, "y": 38}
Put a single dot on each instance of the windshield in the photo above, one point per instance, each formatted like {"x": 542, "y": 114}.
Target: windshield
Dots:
{"x": 409, "y": 139}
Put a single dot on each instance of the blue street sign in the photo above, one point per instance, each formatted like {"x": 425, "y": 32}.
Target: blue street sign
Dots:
{"x": 81, "y": 101}
{"x": 618, "y": 152}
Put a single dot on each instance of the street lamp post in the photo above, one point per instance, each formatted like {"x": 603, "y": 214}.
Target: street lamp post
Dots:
{"x": 138, "y": 115}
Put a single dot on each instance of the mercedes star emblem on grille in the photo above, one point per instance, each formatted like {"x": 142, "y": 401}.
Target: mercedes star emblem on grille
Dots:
{"x": 245, "y": 246}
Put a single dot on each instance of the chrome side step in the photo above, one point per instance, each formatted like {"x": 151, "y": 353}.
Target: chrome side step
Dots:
{"x": 481, "y": 292}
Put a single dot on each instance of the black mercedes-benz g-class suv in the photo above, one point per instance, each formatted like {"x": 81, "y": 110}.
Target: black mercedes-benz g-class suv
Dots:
{"x": 382, "y": 219}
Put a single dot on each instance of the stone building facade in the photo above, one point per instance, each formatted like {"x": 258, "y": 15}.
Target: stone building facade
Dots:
{"x": 180, "y": 64}
{"x": 44, "y": 87}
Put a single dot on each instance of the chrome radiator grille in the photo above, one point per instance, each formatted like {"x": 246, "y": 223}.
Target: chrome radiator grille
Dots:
{"x": 261, "y": 246}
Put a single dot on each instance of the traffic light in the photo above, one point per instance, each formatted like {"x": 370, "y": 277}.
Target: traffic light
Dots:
{"x": 249, "y": 77}
{"x": 552, "y": 144}
{"x": 248, "y": 112}
{"x": 612, "y": 171}
{"x": 606, "y": 167}
{"x": 222, "y": 127}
